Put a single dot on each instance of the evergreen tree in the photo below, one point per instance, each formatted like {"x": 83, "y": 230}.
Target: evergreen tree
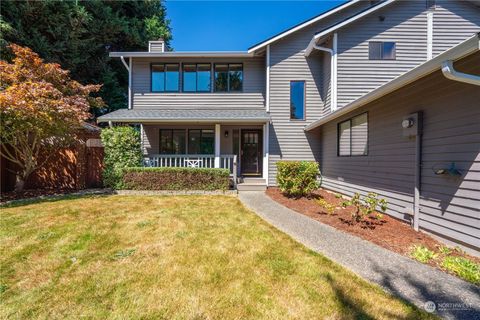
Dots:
{"x": 79, "y": 34}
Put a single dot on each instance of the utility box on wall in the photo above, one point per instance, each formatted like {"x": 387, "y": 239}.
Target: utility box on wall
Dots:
{"x": 412, "y": 124}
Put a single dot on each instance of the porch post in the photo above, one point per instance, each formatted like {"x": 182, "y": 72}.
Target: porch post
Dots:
{"x": 266, "y": 133}
{"x": 217, "y": 145}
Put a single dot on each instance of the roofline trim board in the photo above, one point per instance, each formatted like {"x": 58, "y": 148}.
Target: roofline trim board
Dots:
{"x": 301, "y": 26}
{"x": 183, "y": 54}
{"x": 461, "y": 50}
{"x": 339, "y": 25}
{"x": 187, "y": 121}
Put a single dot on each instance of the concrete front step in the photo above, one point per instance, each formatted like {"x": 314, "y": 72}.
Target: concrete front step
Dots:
{"x": 251, "y": 187}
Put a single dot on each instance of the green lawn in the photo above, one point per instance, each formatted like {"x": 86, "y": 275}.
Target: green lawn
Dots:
{"x": 186, "y": 257}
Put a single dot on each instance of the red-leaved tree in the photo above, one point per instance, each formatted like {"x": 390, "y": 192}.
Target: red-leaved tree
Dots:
{"x": 41, "y": 109}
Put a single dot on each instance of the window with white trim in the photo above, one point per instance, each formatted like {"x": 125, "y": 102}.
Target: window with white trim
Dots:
{"x": 352, "y": 137}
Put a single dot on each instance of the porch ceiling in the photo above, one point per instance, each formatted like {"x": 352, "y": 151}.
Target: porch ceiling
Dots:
{"x": 187, "y": 116}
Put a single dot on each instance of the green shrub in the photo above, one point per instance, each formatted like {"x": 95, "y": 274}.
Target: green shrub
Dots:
{"x": 297, "y": 178}
{"x": 366, "y": 206}
{"x": 422, "y": 254}
{"x": 175, "y": 179}
{"x": 462, "y": 267}
{"x": 122, "y": 150}
{"x": 330, "y": 208}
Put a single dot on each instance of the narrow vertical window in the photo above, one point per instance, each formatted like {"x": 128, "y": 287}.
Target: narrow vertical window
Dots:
{"x": 158, "y": 78}
{"x": 189, "y": 78}
{"x": 235, "y": 74}
{"x": 171, "y": 77}
{"x": 221, "y": 77}
{"x": 204, "y": 77}
{"x": 297, "y": 100}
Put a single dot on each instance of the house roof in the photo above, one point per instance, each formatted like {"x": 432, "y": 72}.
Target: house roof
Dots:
{"x": 345, "y": 22}
{"x": 301, "y": 25}
{"x": 187, "y": 115}
{"x": 461, "y": 50}
{"x": 183, "y": 54}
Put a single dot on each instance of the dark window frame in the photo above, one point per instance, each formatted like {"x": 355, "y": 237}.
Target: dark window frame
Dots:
{"x": 164, "y": 77}
{"x": 382, "y": 58}
{"x": 304, "y": 100}
{"x": 200, "y": 141}
{"x": 171, "y": 137}
{"x": 212, "y": 83}
{"x": 350, "y": 147}
{"x": 214, "y": 89}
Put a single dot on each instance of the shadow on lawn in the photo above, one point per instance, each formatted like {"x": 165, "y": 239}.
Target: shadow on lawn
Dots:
{"x": 391, "y": 280}
{"x": 54, "y": 198}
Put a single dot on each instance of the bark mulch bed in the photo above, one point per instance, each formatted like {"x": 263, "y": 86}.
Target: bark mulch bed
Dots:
{"x": 387, "y": 232}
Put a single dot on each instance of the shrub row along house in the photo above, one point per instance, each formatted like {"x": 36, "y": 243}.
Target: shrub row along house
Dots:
{"x": 383, "y": 94}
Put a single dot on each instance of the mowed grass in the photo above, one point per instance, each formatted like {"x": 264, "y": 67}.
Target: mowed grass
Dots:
{"x": 186, "y": 257}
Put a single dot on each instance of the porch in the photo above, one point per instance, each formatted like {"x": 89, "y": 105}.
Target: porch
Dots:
{"x": 232, "y": 138}
{"x": 239, "y": 148}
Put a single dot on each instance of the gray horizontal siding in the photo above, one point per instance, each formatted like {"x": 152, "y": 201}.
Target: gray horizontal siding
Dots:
{"x": 288, "y": 141}
{"x": 253, "y": 94}
{"x": 405, "y": 24}
{"x": 453, "y": 22}
{"x": 450, "y": 207}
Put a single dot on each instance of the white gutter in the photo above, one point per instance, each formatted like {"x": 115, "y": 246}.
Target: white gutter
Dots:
{"x": 461, "y": 50}
{"x": 209, "y": 121}
{"x": 344, "y": 23}
{"x": 185, "y": 54}
{"x": 450, "y": 73}
{"x": 301, "y": 26}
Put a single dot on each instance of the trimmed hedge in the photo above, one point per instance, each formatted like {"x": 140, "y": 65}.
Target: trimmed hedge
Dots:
{"x": 175, "y": 179}
{"x": 297, "y": 178}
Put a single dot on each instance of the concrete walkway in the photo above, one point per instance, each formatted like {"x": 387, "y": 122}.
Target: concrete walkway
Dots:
{"x": 399, "y": 275}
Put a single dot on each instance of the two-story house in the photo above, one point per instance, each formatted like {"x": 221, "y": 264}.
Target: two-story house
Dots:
{"x": 280, "y": 99}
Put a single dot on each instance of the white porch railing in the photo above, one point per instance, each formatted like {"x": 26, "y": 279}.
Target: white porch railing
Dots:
{"x": 227, "y": 161}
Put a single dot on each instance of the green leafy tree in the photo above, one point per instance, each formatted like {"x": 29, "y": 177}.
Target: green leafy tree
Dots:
{"x": 79, "y": 34}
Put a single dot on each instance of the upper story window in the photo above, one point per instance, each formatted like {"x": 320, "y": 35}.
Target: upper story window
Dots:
{"x": 197, "y": 77}
{"x": 353, "y": 136}
{"x": 165, "y": 77}
{"x": 229, "y": 77}
{"x": 297, "y": 100}
{"x": 381, "y": 50}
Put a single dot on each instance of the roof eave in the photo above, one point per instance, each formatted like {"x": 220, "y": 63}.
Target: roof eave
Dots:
{"x": 300, "y": 26}
{"x": 170, "y": 54}
{"x": 163, "y": 120}
{"x": 463, "y": 49}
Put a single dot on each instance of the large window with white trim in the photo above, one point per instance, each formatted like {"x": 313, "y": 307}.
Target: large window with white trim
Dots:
{"x": 352, "y": 137}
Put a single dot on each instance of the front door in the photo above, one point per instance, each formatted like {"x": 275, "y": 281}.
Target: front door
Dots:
{"x": 251, "y": 152}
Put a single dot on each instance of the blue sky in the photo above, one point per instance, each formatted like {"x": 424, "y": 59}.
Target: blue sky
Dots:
{"x": 235, "y": 25}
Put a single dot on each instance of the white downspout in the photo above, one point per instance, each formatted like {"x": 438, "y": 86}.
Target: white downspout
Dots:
{"x": 450, "y": 73}
{"x": 129, "y": 69}
{"x": 333, "y": 70}
{"x": 267, "y": 90}
{"x": 429, "y": 35}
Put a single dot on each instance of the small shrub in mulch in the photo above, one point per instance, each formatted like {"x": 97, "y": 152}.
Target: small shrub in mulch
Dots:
{"x": 297, "y": 178}
{"x": 175, "y": 179}
{"x": 388, "y": 232}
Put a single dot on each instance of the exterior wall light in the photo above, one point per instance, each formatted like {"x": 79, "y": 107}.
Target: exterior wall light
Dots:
{"x": 226, "y": 133}
{"x": 407, "y": 123}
